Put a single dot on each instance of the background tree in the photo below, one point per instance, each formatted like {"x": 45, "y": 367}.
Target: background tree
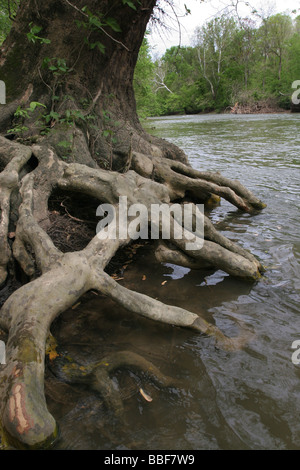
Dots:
{"x": 144, "y": 79}
{"x": 214, "y": 42}
{"x": 280, "y": 30}
{"x": 251, "y": 61}
{"x": 291, "y": 64}
{"x": 178, "y": 93}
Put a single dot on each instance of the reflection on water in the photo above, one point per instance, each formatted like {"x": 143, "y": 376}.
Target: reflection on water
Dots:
{"x": 247, "y": 399}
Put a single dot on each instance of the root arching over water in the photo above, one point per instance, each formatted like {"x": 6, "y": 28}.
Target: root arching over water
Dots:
{"x": 57, "y": 279}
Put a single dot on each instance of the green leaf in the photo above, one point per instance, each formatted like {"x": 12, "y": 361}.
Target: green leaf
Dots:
{"x": 94, "y": 21}
{"x": 64, "y": 143}
{"x": 30, "y": 37}
{"x": 106, "y": 133}
{"x": 77, "y": 114}
{"x": 130, "y": 4}
{"x": 54, "y": 115}
{"x": 106, "y": 114}
{"x": 45, "y": 62}
{"x": 36, "y": 29}
{"x": 101, "y": 47}
{"x": 22, "y": 113}
{"x": 90, "y": 117}
{"x": 35, "y": 104}
{"x": 113, "y": 24}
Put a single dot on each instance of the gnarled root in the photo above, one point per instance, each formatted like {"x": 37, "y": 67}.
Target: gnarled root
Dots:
{"x": 64, "y": 277}
{"x": 158, "y": 311}
{"x": 181, "y": 178}
{"x": 14, "y": 157}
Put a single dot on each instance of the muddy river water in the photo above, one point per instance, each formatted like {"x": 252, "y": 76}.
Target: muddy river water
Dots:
{"x": 247, "y": 399}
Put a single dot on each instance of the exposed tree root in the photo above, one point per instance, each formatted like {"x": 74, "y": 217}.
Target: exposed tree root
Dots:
{"x": 58, "y": 279}
{"x": 15, "y": 158}
{"x": 181, "y": 178}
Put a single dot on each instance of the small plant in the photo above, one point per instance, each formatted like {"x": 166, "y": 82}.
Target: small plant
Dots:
{"x": 32, "y": 36}
{"x": 18, "y": 129}
{"x": 56, "y": 65}
{"x": 67, "y": 145}
{"x": 21, "y": 114}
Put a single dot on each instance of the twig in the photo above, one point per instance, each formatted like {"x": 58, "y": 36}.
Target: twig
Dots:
{"x": 100, "y": 27}
{"x": 75, "y": 218}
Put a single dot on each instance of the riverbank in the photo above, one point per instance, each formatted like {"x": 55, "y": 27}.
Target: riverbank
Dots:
{"x": 268, "y": 106}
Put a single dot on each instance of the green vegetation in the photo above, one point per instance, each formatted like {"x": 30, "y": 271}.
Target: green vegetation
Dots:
{"x": 232, "y": 61}
{"x": 8, "y": 11}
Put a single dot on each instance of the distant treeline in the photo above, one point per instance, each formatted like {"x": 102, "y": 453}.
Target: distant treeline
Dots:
{"x": 232, "y": 61}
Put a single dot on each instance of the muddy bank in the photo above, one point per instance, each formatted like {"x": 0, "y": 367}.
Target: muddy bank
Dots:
{"x": 260, "y": 107}
{"x": 268, "y": 106}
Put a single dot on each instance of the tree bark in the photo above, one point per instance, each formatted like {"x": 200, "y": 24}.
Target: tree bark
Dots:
{"x": 96, "y": 82}
{"x": 80, "y": 148}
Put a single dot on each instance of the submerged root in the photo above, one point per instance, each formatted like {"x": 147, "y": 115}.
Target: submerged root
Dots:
{"x": 224, "y": 342}
{"x": 98, "y": 375}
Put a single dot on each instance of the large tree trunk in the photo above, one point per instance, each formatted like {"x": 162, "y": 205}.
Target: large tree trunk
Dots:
{"x": 80, "y": 148}
{"x": 98, "y": 82}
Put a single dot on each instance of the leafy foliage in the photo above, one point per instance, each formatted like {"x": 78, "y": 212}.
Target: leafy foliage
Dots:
{"x": 8, "y": 9}
{"x": 33, "y": 34}
{"x": 231, "y": 61}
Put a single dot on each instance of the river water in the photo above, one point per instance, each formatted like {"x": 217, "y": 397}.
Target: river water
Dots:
{"x": 247, "y": 399}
